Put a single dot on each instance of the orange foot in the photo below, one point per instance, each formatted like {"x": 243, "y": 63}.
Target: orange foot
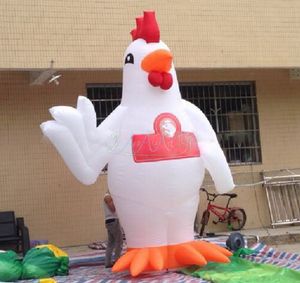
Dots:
{"x": 138, "y": 260}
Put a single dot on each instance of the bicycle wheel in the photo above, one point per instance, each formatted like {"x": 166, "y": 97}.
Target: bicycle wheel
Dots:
{"x": 237, "y": 219}
{"x": 204, "y": 221}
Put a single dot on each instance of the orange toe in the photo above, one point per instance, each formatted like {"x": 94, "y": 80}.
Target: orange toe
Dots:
{"x": 156, "y": 258}
{"x": 186, "y": 254}
{"x": 139, "y": 262}
{"x": 210, "y": 252}
{"x": 124, "y": 261}
{"x": 221, "y": 249}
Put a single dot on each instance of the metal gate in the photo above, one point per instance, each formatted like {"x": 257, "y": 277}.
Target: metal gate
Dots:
{"x": 283, "y": 194}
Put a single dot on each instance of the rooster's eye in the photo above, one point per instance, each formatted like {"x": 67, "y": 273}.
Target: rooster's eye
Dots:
{"x": 129, "y": 59}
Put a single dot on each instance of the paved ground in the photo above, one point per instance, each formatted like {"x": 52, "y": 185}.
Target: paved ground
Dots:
{"x": 286, "y": 238}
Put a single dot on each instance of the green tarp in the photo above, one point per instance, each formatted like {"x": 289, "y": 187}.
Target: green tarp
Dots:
{"x": 42, "y": 263}
{"x": 244, "y": 271}
{"x": 10, "y": 267}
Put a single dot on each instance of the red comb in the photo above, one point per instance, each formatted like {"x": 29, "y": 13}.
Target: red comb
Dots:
{"x": 146, "y": 28}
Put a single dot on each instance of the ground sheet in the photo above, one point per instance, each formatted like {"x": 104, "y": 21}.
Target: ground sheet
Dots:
{"x": 88, "y": 267}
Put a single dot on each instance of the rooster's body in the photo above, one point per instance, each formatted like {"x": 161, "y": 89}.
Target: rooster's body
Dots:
{"x": 157, "y": 147}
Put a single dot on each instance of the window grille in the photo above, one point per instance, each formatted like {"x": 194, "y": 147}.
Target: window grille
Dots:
{"x": 105, "y": 99}
{"x": 232, "y": 110}
{"x": 230, "y": 107}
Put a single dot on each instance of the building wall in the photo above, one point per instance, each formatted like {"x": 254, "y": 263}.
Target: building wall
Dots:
{"x": 35, "y": 182}
{"x": 278, "y": 102}
{"x": 202, "y": 33}
{"x": 33, "y": 179}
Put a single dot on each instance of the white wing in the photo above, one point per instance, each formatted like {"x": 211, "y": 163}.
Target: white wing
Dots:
{"x": 85, "y": 148}
{"x": 210, "y": 150}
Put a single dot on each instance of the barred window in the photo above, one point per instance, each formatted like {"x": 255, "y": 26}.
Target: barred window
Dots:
{"x": 105, "y": 99}
{"x": 232, "y": 110}
{"x": 230, "y": 107}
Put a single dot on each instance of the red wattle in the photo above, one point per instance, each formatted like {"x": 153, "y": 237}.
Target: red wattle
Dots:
{"x": 155, "y": 78}
{"x": 167, "y": 81}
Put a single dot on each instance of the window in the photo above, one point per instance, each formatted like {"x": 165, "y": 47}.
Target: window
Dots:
{"x": 105, "y": 99}
{"x": 230, "y": 107}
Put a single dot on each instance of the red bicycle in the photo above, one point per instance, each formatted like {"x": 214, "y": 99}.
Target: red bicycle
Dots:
{"x": 234, "y": 216}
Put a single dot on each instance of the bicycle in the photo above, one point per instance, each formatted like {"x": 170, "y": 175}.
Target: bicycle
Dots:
{"x": 235, "y": 216}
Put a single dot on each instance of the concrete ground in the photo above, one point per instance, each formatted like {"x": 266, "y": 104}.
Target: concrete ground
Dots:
{"x": 284, "y": 238}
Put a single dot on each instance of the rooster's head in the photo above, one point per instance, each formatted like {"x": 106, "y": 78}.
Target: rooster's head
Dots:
{"x": 148, "y": 62}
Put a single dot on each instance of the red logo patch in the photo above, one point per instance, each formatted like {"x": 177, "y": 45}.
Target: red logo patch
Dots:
{"x": 167, "y": 142}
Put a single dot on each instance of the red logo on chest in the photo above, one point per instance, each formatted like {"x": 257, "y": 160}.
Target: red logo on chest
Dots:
{"x": 167, "y": 142}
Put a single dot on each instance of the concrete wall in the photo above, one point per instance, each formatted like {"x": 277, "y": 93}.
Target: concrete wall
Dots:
{"x": 33, "y": 179}
{"x": 201, "y": 33}
{"x": 36, "y": 184}
{"x": 278, "y": 101}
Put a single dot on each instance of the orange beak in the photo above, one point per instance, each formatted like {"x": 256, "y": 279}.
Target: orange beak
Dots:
{"x": 157, "y": 61}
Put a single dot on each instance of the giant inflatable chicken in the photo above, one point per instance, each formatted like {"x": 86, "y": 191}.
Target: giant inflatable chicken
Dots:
{"x": 157, "y": 147}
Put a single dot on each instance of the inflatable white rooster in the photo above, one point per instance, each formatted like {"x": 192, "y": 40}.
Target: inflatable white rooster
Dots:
{"x": 157, "y": 147}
